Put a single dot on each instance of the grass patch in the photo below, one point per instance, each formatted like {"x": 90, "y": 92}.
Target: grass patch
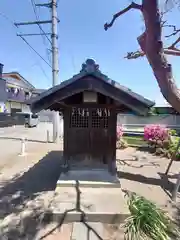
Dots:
{"x": 147, "y": 221}
{"x": 135, "y": 141}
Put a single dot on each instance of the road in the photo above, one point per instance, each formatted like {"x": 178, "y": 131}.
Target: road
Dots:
{"x": 10, "y": 139}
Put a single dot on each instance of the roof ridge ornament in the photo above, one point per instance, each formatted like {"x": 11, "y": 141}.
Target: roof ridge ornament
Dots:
{"x": 90, "y": 66}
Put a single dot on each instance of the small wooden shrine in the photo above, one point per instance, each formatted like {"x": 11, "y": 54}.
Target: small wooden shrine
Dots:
{"x": 90, "y": 102}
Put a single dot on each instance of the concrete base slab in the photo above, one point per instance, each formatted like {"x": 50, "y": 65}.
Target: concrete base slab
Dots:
{"x": 88, "y": 178}
{"x": 76, "y": 204}
{"x": 91, "y": 231}
{"x": 97, "y": 231}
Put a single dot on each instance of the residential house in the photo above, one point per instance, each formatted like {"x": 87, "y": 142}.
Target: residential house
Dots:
{"x": 18, "y": 91}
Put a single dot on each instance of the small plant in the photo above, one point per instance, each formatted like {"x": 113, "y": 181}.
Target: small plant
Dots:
{"x": 159, "y": 138}
{"x": 147, "y": 221}
{"x": 120, "y": 142}
{"x": 173, "y": 132}
{"x": 119, "y": 131}
{"x": 173, "y": 147}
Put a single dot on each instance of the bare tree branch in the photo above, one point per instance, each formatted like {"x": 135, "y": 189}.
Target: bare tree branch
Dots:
{"x": 137, "y": 54}
{"x": 171, "y": 50}
{"x": 175, "y": 30}
{"x": 152, "y": 46}
{"x": 134, "y": 55}
{"x": 133, "y": 5}
{"x": 174, "y": 44}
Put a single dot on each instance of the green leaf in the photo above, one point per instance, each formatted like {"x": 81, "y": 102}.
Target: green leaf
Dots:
{"x": 147, "y": 221}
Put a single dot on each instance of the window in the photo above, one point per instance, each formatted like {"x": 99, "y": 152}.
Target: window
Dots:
{"x": 34, "y": 116}
{"x": 100, "y": 117}
{"x": 79, "y": 118}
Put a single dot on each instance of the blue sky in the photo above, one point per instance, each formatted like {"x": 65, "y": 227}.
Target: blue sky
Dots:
{"x": 81, "y": 36}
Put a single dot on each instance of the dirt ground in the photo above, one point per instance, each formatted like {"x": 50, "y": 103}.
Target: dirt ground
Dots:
{"x": 27, "y": 188}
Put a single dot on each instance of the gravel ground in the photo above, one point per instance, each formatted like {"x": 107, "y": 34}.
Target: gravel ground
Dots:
{"x": 27, "y": 186}
{"x": 26, "y": 190}
{"x": 143, "y": 173}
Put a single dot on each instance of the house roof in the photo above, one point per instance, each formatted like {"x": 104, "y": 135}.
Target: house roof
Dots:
{"x": 20, "y": 81}
{"x": 38, "y": 91}
{"x": 80, "y": 82}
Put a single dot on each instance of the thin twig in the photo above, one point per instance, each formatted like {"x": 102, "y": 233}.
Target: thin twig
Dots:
{"x": 175, "y": 43}
{"x": 169, "y": 51}
{"x": 175, "y": 30}
{"x": 133, "y": 5}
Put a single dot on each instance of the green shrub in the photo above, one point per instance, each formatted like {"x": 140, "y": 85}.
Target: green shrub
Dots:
{"x": 159, "y": 144}
{"x": 173, "y": 147}
{"x": 147, "y": 221}
{"x": 173, "y": 132}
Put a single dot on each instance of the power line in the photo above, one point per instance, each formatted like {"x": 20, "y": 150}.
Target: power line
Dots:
{"x": 41, "y": 29}
{"x": 37, "y": 18}
{"x": 43, "y": 71}
{"x": 35, "y": 51}
{"x": 15, "y": 26}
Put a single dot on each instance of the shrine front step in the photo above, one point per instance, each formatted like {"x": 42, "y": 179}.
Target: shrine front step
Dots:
{"x": 95, "y": 178}
{"x": 78, "y": 204}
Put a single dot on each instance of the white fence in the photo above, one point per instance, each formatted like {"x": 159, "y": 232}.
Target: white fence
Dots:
{"x": 133, "y": 121}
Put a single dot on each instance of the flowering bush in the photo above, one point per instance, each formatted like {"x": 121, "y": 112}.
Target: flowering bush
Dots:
{"x": 156, "y": 133}
{"x": 161, "y": 139}
{"x": 120, "y": 143}
{"x": 119, "y": 131}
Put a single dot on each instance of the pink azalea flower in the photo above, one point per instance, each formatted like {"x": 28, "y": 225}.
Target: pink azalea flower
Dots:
{"x": 156, "y": 132}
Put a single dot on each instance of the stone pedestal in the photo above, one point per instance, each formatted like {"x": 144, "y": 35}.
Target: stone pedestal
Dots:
{"x": 89, "y": 178}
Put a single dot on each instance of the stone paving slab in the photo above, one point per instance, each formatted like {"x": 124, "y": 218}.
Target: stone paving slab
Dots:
{"x": 97, "y": 231}
{"x": 91, "y": 231}
{"x": 81, "y": 231}
{"x": 54, "y": 232}
{"x": 94, "y": 204}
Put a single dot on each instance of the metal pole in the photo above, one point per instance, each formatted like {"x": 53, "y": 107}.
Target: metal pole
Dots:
{"x": 176, "y": 188}
{"x": 55, "y": 66}
{"x": 48, "y": 139}
{"x": 23, "y": 147}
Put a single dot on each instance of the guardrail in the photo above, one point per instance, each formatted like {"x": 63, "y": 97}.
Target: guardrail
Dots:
{"x": 143, "y": 125}
{"x": 133, "y": 133}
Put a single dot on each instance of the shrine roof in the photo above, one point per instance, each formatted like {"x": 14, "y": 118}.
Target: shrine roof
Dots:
{"x": 91, "y": 78}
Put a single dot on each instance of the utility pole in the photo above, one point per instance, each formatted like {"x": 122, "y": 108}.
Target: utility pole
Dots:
{"x": 55, "y": 66}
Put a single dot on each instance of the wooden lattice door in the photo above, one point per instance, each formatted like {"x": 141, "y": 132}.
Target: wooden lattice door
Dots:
{"x": 90, "y": 132}
{"x": 79, "y": 131}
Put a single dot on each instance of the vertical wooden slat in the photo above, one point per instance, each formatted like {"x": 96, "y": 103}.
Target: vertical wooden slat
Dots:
{"x": 97, "y": 140}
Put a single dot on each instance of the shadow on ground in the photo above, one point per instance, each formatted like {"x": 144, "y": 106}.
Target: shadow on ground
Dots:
{"x": 82, "y": 221}
{"x": 14, "y": 195}
{"x": 163, "y": 181}
{"x": 145, "y": 148}
{"x": 129, "y": 163}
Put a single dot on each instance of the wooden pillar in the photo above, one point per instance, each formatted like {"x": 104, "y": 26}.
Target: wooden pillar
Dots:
{"x": 112, "y": 131}
{"x": 65, "y": 142}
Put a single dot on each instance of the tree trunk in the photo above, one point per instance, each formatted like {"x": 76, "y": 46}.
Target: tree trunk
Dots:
{"x": 151, "y": 44}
